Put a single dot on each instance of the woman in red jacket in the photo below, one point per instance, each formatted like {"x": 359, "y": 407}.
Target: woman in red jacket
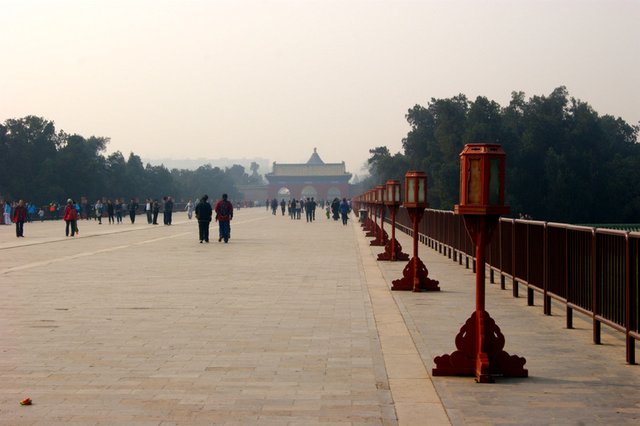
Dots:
{"x": 70, "y": 217}
{"x": 19, "y": 217}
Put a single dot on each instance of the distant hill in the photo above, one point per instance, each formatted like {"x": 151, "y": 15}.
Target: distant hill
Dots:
{"x": 194, "y": 163}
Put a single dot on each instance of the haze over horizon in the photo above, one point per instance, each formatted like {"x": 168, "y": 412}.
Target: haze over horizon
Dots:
{"x": 274, "y": 79}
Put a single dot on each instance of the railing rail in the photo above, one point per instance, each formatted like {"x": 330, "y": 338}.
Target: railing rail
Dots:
{"x": 595, "y": 271}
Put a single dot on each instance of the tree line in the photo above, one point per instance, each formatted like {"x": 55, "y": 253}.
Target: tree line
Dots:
{"x": 565, "y": 162}
{"x": 42, "y": 165}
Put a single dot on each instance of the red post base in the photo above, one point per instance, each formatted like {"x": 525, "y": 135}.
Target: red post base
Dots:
{"x": 393, "y": 251}
{"x": 481, "y": 357}
{"x": 415, "y": 277}
{"x": 380, "y": 241}
{"x": 370, "y": 228}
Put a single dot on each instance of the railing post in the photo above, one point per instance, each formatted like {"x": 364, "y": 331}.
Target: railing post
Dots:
{"x": 594, "y": 290}
{"x": 514, "y": 282}
{"x": 546, "y": 299}
{"x": 530, "y": 294}
{"x": 630, "y": 341}
{"x": 569, "y": 311}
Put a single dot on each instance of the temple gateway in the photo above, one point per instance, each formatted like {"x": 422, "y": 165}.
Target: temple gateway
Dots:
{"x": 315, "y": 178}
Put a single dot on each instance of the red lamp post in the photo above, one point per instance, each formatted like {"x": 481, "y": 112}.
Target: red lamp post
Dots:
{"x": 393, "y": 249}
{"x": 415, "y": 274}
{"x": 356, "y": 206}
{"x": 371, "y": 227}
{"x": 381, "y": 236}
{"x": 365, "y": 206}
{"x": 480, "y": 342}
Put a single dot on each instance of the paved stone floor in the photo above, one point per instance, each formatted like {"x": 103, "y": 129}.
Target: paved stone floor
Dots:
{"x": 289, "y": 323}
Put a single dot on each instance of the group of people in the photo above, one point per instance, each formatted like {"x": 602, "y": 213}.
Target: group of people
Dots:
{"x": 21, "y": 212}
{"x": 336, "y": 209}
{"x": 114, "y": 210}
{"x": 340, "y": 210}
{"x": 224, "y": 214}
{"x": 295, "y": 208}
{"x": 8, "y": 211}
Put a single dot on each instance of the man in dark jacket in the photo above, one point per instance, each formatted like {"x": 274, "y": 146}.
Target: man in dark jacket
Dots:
{"x": 224, "y": 215}
{"x": 19, "y": 217}
{"x": 203, "y": 214}
{"x": 168, "y": 210}
{"x": 133, "y": 210}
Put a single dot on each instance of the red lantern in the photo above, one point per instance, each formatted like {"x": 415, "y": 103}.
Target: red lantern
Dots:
{"x": 415, "y": 190}
{"x": 379, "y": 194}
{"x": 482, "y": 180}
{"x": 392, "y": 195}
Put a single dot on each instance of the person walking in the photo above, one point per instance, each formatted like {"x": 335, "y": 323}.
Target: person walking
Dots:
{"x": 118, "y": 207}
{"x": 168, "y": 210}
{"x": 133, "y": 209}
{"x": 155, "y": 207}
{"x": 283, "y": 204}
{"x": 75, "y": 224}
{"x": 335, "y": 208}
{"x": 313, "y": 209}
{"x": 189, "y": 209}
{"x": 344, "y": 210}
{"x": 147, "y": 210}
{"x": 308, "y": 209}
{"x": 70, "y": 217}
{"x": 99, "y": 206}
{"x": 111, "y": 211}
{"x": 292, "y": 211}
{"x": 203, "y": 214}
{"x": 31, "y": 212}
{"x": 7, "y": 213}
{"x": 19, "y": 217}
{"x": 224, "y": 215}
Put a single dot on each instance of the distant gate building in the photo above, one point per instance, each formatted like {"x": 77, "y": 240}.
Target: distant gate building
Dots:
{"x": 315, "y": 178}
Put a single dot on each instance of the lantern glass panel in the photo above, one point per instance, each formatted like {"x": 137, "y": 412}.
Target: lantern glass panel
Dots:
{"x": 396, "y": 198}
{"x": 411, "y": 191}
{"x": 421, "y": 190}
{"x": 494, "y": 182}
{"x": 474, "y": 184}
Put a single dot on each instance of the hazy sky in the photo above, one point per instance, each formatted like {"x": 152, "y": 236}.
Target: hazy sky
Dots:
{"x": 274, "y": 79}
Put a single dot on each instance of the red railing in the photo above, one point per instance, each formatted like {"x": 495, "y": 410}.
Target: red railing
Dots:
{"x": 591, "y": 270}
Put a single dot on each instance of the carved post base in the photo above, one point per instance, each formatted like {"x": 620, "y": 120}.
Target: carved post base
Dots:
{"x": 393, "y": 252}
{"x": 480, "y": 353}
{"x": 378, "y": 241}
{"x": 415, "y": 278}
{"x": 371, "y": 228}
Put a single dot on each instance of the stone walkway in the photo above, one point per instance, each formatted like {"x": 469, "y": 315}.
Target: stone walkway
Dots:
{"x": 290, "y": 323}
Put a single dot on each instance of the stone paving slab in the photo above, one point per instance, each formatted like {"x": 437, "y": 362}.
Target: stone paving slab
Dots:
{"x": 139, "y": 324}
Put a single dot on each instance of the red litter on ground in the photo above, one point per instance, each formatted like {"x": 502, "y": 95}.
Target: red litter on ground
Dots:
{"x": 26, "y": 401}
